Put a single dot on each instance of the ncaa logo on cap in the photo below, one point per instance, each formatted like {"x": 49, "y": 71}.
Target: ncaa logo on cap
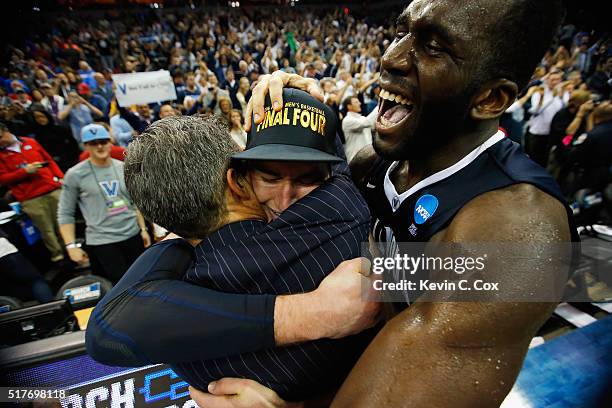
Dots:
{"x": 425, "y": 208}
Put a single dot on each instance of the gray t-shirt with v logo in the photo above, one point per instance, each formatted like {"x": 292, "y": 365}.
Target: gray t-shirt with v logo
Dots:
{"x": 101, "y": 195}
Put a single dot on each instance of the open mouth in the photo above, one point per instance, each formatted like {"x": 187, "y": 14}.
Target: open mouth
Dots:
{"x": 393, "y": 109}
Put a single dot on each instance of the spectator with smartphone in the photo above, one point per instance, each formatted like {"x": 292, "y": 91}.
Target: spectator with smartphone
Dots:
{"x": 116, "y": 233}
{"x": 34, "y": 179}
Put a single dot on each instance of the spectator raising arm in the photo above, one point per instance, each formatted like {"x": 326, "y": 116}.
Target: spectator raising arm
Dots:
{"x": 64, "y": 113}
{"x": 519, "y": 103}
{"x": 97, "y": 112}
{"x": 583, "y": 111}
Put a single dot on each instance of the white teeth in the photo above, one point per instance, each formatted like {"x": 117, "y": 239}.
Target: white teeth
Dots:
{"x": 384, "y": 94}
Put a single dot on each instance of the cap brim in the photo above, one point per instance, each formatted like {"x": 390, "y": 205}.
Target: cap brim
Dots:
{"x": 96, "y": 138}
{"x": 279, "y": 152}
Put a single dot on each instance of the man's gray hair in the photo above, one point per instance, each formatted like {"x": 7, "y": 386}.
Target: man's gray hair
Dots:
{"x": 175, "y": 172}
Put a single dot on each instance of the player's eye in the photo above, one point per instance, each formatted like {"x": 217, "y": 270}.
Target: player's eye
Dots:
{"x": 433, "y": 47}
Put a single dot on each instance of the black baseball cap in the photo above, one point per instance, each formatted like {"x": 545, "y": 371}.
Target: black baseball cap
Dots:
{"x": 304, "y": 130}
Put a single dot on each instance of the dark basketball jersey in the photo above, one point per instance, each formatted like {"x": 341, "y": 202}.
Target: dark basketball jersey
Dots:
{"x": 430, "y": 205}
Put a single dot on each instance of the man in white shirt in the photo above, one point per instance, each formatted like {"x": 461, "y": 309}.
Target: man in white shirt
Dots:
{"x": 544, "y": 106}
{"x": 356, "y": 127}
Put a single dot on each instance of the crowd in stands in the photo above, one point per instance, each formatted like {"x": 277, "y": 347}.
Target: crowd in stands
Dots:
{"x": 213, "y": 58}
{"x": 57, "y": 84}
{"x": 564, "y": 117}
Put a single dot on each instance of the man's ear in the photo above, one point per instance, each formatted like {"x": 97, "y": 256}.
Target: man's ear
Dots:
{"x": 494, "y": 99}
{"x": 237, "y": 184}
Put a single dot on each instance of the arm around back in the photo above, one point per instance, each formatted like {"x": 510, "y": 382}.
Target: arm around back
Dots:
{"x": 153, "y": 316}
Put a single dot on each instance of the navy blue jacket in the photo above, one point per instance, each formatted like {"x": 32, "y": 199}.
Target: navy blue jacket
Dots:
{"x": 292, "y": 254}
{"x": 193, "y": 323}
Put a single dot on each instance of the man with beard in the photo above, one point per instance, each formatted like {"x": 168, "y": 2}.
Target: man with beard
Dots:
{"x": 440, "y": 171}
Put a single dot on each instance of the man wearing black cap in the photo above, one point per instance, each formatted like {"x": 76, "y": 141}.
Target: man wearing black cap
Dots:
{"x": 317, "y": 220}
{"x": 308, "y": 146}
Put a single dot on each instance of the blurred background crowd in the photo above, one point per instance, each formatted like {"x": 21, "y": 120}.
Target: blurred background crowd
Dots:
{"x": 55, "y": 80}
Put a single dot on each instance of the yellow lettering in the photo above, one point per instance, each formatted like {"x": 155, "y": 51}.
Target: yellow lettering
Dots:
{"x": 314, "y": 121}
{"x": 322, "y": 125}
{"x": 278, "y": 119}
{"x": 266, "y": 122}
{"x": 296, "y": 113}
{"x": 262, "y": 125}
{"x": 304, "y": 118}
{"x": 285, "y": 116}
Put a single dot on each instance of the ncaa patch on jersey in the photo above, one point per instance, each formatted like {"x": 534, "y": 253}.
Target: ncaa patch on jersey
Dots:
{"x": 425, "y": 208}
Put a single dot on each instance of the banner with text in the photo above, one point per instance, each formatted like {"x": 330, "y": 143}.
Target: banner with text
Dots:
{"x": 143, "y": 87}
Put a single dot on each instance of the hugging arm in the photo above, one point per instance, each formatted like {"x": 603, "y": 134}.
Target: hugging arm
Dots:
{"x": 153, "y": 316}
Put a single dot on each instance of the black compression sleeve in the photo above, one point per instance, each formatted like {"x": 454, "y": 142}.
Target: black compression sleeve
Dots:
{"x": 152, "y": 316}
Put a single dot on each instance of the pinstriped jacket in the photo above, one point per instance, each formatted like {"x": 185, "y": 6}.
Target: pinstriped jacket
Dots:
{"x": 290, "y": 255}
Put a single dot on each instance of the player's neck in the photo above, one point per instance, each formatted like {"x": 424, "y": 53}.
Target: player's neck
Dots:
{"x": 242, "y": 209}
{"x": 414, "y": 170}
{"x": 237, "y": 214}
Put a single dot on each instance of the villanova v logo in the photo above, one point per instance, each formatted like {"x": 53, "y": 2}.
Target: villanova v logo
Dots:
{"x": 111, "y": 188}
